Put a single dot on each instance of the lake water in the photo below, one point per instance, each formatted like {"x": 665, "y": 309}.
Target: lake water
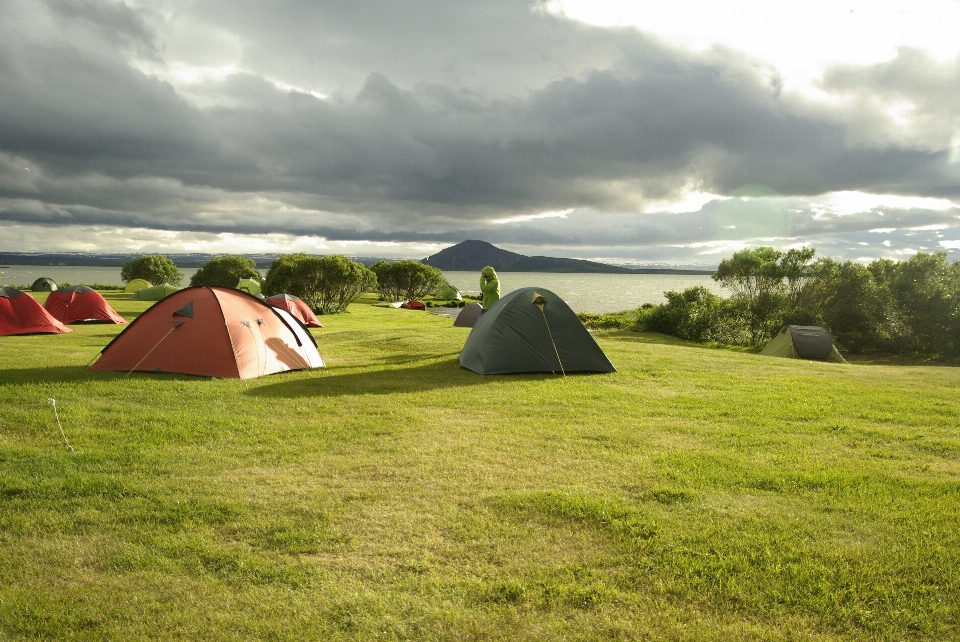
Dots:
{"x": 582, "y": 292}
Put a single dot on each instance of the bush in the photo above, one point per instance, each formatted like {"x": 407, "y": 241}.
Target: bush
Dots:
{"x": 922, "y": 297}
{"x": 328, "y": 284}
{"x": 696, "y": 314}
{"x": 225, "y": 271}
{"x": 406, "y": 279}
{"x": 610, "y": 320}
{"x": 154, "y": 268}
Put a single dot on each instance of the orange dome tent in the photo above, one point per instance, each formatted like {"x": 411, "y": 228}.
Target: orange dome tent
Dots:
{"x": 21, "y": 314}
{"x": 295, "y": 306}
{"x": 79, "y": 304}
{"x": 212, "y": 331}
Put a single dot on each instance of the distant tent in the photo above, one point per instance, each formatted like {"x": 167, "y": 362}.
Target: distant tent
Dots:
{"x": 803, "y": 342}
{"x": 43, "y": 284}
{"x": 136, "y": 284}
{"x": 448, "y": 293}
{"x": 531, "y": 330}
{"x": 212, "y": 331}
{"x": 79, "y": 304}
{"x": 250, "y": 286}
{"x": 468, "y": 316}
{"x": 413, "y": 305}
{"x": 21, "y": 314}
{"x": 155, "y": 293}
{"x": 295, "y": 306}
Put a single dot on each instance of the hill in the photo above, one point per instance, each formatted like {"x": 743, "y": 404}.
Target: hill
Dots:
{"x": 474, "y": 255}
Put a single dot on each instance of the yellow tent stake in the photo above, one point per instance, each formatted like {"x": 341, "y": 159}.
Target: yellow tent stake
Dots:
{"x": 151, "y": 350}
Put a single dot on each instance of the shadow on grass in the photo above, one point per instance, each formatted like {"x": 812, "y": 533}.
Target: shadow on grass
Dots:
{"x": 655, "y": 338}
{"x": 888, "y": 359}
{"x": 444, "y": 374}
{"x": 71, "y": 374}
{"x": 53, "y": 374}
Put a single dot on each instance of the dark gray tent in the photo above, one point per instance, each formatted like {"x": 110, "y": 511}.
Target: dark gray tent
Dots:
{"x": 43, "y": 284}
{"x": 531, "y": 330}
{"x": 803, "y": 342}
{"x": 468, "y": 316}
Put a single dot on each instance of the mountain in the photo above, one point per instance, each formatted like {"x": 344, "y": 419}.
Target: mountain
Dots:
{"x": 474, "y": 255}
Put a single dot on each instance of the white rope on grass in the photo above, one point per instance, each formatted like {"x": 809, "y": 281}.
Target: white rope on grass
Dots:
{"x": 53, "y": 402}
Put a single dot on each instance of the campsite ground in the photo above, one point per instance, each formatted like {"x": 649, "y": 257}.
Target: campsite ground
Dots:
{"x": 697, "y": 494}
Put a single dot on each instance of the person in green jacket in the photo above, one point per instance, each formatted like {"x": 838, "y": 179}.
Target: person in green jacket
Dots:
{"x": 489, "y": 287}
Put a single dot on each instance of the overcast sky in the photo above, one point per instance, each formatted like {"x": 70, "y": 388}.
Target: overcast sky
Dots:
{"x": 581, "y": 128}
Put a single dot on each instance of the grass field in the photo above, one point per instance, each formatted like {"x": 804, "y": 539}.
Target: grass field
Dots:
{"x": 698, "y": 494}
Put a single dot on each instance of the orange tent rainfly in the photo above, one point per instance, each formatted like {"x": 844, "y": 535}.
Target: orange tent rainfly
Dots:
{"x": 21, "y": 314}
{"x": 212, "y": 332}
{"x": 295, "y": 306}
{"x": 80, "y": 304}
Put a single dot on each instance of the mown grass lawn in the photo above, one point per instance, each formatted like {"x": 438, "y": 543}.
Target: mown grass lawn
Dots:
{"x": 698, "y": 494}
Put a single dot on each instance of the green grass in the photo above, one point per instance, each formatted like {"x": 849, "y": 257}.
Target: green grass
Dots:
{"x": 698, "y": 494}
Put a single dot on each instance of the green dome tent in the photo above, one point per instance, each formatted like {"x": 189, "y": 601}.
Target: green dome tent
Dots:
{"x": 43, "y": 284}
{"x": 448, "y": 293}
{"x": 803, "y": 342}
{"x": 155, "y": 293}
{"x": 250, "y": 286}
{"x": 136, "y": 284}
{"x": 531, "y": 330}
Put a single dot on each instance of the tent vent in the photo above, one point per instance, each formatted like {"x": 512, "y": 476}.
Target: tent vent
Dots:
{"x": 177, "y": 324}
{"x": 185, "y": 311}
{"x": 260, "y": 321}
{"x": 246, "y": 323}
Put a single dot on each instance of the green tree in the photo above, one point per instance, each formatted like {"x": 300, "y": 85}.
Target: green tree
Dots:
{"x": 406, "y": 279}
{"x": 328, "y": 284}
{"x": 845, "y": 298}
{"x": 386, "y": 285}
{"x": 225, "y": 271}
{"x": 756, "y": 278}
{"x": 154, "y": 268}
{"x": 923, "y": 302}
{"x": 795, "y": 266}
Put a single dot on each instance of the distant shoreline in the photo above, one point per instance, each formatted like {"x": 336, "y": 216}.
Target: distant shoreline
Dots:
{"x": 624, "y": 271}
{"x": 13, "y": 259}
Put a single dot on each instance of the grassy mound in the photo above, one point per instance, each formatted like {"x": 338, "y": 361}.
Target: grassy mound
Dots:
{"x": 698, "y": 494}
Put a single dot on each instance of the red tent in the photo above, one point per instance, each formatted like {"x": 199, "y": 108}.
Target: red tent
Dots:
{"x": 80, "y": 303}
{"x": 212, "y": 331}
{"x": 414, "y": 305}
{"x": 295, "y": 306}
{"x": 21, "y": 314}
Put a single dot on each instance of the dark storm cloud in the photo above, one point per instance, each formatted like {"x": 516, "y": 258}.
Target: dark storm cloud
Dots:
{"x": 440, "y": 117}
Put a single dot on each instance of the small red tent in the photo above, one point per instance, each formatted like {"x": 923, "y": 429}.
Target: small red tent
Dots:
{"x": 295, "y": 306}
{"x": 212, "y": 331}
{"x": 80, "y": 303}
{"x": 21, "y": 314}
{"x": 414, "y": 305}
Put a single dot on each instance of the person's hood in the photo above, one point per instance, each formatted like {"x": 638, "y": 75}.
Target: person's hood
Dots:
{"x": 489, "y": 271}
